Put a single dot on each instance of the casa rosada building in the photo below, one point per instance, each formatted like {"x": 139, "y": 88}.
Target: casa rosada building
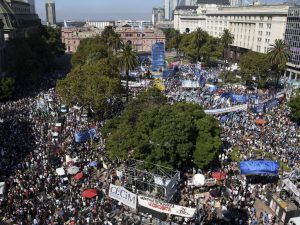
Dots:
{"x": 141, "y": 39}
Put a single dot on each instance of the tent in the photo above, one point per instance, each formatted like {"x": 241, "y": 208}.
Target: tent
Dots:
{"x": 89, "y": 193}
{"x": 219, "y": 175}
{"x": 198, "y": 180}
{"x": 259, "y": 167}
{"x": 78, "y": 176}
{"x": 260, "y": 122}
{"x": 73, "y": 170}
{"x": 60, "y": 171}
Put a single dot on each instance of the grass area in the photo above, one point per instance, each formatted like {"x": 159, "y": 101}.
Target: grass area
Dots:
{"x": 236, "y": 156}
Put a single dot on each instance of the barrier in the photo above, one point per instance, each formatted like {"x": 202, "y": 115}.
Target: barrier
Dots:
{"x": 227, "y": 110}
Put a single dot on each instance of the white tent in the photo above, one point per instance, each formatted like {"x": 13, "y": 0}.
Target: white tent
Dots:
{"x": 73, "y": 170}
{"x": 60, "y": 171}
{"x": 198, "y": 180}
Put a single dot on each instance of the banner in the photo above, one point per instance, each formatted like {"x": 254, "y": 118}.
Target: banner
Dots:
{"x": 84, "y": 136}
{"x": 259, "y": 167}
{"x": 226, "y": 110}
{"x": 164, "y": 207}
{"x": 122, "y": 195}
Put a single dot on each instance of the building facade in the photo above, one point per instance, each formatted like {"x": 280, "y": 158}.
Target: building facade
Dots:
{"x": 32, "y": 6}
{"x": 50, "y": 12}
{"x": 72, "y": 36}
{"x": 254, "y": 27}
{"x": 292, "y": 38}
{"x": 141, "y": 39}
{"x": 100, "y": 24}
{"x": 170, "y": 6}
{"x": 17, "y": 18}
{"x": 158, "y": 15}
{"x": 1, "y": 46}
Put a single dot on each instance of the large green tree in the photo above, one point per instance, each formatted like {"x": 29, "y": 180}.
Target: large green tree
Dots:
{"x": 180, "y": 135}
{"x": 278, "y": 55}
{"x": 294, "y": 105}
{"x": 227, "y": 39}
{"x": 128, "y": 61}
{"x": 254, "y": 64}
{"x": 52, "y": 37}
{"x": 91, "y": 86}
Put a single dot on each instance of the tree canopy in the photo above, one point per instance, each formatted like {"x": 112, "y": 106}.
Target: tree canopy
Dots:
{"x": 94, "y": 81}
{"x": 27, "y": 59}
{"x": 179, "y": 135}
{"x": 278, "y": 55}
{"x": 294, "y": 105}
{"x": 200, "y": 43}
{"x": 254, "y": 64}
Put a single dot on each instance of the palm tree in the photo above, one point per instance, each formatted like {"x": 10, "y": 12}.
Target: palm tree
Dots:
{"x": 278, "y": 55}
{"x": 115, "y": 42}
{"x": 200, "y": 38}
{"x": 227, "y": 39}
{"x": 128, "y": 61}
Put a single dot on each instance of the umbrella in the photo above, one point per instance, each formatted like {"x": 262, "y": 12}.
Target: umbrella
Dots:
{"x": 260, "y": 122}
{"x": 94, "y": 163}
{"x": 60, "y": 171}
{"x": 219, "y": 175}
{"x": 73, "y": 170}
{"x": 89, "y": 193}
{"x": 78, "y": 176}
{"x": 198, "y": 180}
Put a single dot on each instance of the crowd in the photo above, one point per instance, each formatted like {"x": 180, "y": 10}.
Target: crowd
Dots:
{"x": 37, "y": 139}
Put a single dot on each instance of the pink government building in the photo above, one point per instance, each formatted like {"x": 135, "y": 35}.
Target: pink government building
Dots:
{"x": 141, "y": 39}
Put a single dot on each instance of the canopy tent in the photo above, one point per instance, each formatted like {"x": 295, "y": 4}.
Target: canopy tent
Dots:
{"x": 78, "y": 176}
{"x": 89, "y": 193}
{"x": 60, "y": 171}
{"x": 198, "y": 180}
{"x": 259, "y": 167}
{"x": 261, "y": 122}
{"x": 73, "y": 170}
{"x": 219, "y": 175}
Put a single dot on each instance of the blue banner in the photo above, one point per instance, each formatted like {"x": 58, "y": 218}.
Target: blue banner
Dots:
{"x": 239, "y": 98}
{"x": 271, "y": 104}
{"x": 259, "y": 108}
{"x": 259, "y": 167}
{"x": 168, "y": 73}
{"x": 84, "y": 136}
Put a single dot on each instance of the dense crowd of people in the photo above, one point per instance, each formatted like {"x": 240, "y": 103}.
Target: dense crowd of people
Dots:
{"x": 37, "y": 139}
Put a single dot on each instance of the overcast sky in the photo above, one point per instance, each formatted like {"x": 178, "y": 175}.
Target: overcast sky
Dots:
{"x": 100, "y": 9}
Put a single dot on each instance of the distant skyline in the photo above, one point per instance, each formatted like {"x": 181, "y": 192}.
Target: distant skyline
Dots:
{"x": 100, "y": 9}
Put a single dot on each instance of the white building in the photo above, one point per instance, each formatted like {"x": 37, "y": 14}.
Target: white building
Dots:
{"x": 50, "y": 12}
{"x": 254, "y": 27}
{"x": 170, "y": 6}
{"x": 158, "y": 15}
{"x": 100, "y": 24}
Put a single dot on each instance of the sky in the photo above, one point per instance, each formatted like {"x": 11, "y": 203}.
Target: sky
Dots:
{"x": 100, "y": 9}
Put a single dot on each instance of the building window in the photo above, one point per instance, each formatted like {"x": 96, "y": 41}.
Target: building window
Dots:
{"x": 259, "y": 33}
{"x": 261, "y": 18}
{"x": 261, "y": 25}
{"x": 259, "y": 39}
{"x": 268, "y": 33}
{"x": 269, "y": 26}
{"x": 269, "y": 18}
{"x": 267, "y": 40}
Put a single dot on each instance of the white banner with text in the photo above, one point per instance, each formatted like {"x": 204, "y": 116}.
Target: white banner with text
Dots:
{"x": 165, "y": 207}
{"x": 122, "y": 195}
